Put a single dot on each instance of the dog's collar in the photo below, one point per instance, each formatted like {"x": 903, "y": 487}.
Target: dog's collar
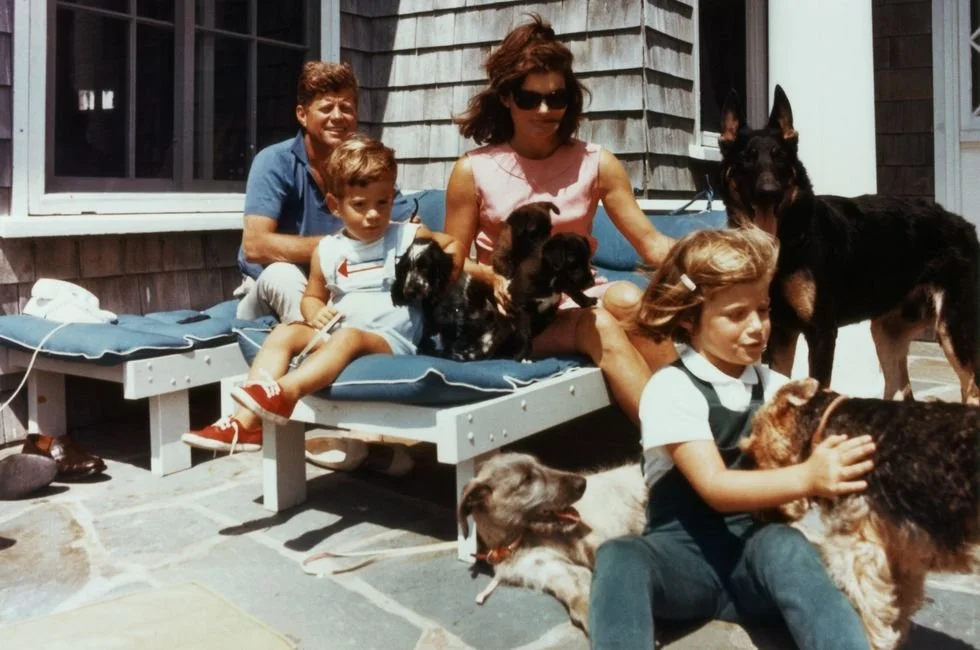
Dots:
{"x": 818, "y": 434}
{"x": 497, "y": 555}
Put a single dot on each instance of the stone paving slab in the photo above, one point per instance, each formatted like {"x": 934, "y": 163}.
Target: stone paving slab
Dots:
{"x": 314, "y": 613}
{"x": 85, "y": 542}
{"x": 443, "y": 589}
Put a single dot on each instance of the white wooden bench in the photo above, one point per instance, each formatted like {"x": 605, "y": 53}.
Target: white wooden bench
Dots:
{"x": 165, "y": 380}
{"x": 463, "y": 434}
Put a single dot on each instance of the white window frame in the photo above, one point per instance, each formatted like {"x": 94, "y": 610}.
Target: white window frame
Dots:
{"x": 953, "y": 122}
{"x": 36, "y": 212}
{"x": 970, "y": 114}
{"x": 705, "y": 144}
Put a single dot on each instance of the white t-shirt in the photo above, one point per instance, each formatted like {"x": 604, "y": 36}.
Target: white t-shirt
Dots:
{"x": 673, "y": 410}
{"x": 359, "y": 276}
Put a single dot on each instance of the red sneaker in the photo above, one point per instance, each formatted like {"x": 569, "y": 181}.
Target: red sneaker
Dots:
{"x": 265, "y": 399}
{"x": 227, "y": 434}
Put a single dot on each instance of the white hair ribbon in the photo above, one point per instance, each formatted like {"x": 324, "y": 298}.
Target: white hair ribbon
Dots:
{"x": 688, "y": 282}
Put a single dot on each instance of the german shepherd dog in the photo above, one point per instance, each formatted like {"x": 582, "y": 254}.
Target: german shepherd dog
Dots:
{"x": 542, "y": 526}
{"x": 905, "y": 264}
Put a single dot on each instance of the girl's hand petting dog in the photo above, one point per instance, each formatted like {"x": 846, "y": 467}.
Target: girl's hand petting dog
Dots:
{"x": 324, "y": 316}
{"x": 837, "y": 463}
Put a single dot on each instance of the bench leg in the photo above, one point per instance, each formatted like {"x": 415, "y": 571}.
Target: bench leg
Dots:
{"x": 228, "y": 384}
{"x": 283, "y": 465}
{"x": 46, "y": 403}
{"x": 169, "y": 418}
{"x": 466, "y": 547}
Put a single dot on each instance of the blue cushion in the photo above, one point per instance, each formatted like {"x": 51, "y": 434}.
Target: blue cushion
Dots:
{"x": 425, "y": 380}
{"x": 615, "y": 252}
{"x": 431, "y": 208}
{"x": 130, "y": 337}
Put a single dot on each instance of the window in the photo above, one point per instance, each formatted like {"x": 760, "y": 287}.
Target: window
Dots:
{"x": 170, "y": 95}
{"x": 731, "y": 51}
{"x": 975, "y": 57}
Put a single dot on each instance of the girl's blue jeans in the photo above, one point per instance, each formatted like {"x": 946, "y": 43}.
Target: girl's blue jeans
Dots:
{"x": 729, "y": 569}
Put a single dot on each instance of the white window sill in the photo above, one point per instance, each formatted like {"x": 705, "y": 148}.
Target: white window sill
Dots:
{"x": 117, "y": 224}
{"x": 701, "y": 152}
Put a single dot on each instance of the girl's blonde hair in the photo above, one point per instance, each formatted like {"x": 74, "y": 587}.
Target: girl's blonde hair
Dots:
{"x": 359, "y": 160}
{"x": 698, "y": 266}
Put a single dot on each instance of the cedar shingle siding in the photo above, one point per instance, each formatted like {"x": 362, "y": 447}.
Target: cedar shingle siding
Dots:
{"x": 903, "y": 97}
{"x": 419, "y": 62}
{"x": 6, "y": 103}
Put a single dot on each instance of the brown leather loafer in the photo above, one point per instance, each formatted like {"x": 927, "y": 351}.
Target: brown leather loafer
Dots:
{"x": 73, "y": 461}
{"x": 22, "y": 474}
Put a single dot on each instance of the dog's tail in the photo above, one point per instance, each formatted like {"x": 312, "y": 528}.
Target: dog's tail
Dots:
{"x": 958, "y": 321}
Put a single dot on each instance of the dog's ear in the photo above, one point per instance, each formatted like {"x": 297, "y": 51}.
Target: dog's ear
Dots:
{"x": 444, "y": 269}
{"x": 398, "y": 286}
{"x": 551, "y": 206}
{"x": 731, "y": 119}
{"x": 782, "y": 115}
{"x": 473, "y": 495}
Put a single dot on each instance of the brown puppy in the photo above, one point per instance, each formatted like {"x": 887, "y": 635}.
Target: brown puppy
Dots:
{"x": 524, "y": 232}
{"x": 920, "y": 512}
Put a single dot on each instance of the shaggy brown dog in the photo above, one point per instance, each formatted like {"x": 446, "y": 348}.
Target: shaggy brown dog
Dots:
{"x": 542, "y": 526}
{"x": 919, "y": 512}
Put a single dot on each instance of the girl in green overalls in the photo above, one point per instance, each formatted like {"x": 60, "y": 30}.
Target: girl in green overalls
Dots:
{"x": 702, "y": 555}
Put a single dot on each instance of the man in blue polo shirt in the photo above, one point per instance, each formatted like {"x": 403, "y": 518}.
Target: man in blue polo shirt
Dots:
{"x": 285, "y": 211}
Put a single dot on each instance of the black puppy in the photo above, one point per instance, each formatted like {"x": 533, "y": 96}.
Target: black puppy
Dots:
{"x": 562, "y": 267}
{"x": 422, "y": 277}
{"x": 905, "y": 264}
{"x": 463, "y": 316}
{"x": 524, "y": 232}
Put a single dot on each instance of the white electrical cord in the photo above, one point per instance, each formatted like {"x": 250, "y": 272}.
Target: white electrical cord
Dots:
{"x": 30, "y": 366}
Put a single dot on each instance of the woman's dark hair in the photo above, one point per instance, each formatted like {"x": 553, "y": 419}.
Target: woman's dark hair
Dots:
{"x": 531, "y": 47}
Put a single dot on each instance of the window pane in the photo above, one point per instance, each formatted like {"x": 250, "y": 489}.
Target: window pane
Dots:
{"x": 283, "y": 20}
{"x": 154, "y": 102}
{"x": 231, "y": 15}
{"x": 722, "y": 51}
{"x": 975, "y": 54}
{"x": 121, "y": 6}
{"x": 90, "y": 95}
{"x": 220, "y": 108}
{"x": 276, "y": 110}
{"x": 159, "y": 9}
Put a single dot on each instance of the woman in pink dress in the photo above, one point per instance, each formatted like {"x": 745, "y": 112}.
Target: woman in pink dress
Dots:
{"x": 526, "y": 119}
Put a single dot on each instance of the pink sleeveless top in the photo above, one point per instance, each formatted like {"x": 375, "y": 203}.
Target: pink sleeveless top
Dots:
{"x": 505, "y": 180}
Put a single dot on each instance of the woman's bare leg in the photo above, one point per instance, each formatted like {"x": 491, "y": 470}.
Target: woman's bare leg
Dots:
{"x": 599, "y": 335}
{"x": 622, "y": 299}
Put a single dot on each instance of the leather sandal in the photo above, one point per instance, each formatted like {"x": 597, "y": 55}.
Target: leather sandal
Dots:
{"x": 73, "y": 461}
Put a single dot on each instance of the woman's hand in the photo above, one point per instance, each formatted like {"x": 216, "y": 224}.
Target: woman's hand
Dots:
{"x": 501, "y": 292}
{"x": 324, "y": 316}
{"x": 836, "y": 465}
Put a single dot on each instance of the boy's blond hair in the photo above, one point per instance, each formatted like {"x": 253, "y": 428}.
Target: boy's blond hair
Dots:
{"x": 699, "y": 265}
{"x": 359, "y": 160}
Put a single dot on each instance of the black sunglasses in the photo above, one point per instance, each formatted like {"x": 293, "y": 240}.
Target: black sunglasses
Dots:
{"x": 528, "y": 99}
